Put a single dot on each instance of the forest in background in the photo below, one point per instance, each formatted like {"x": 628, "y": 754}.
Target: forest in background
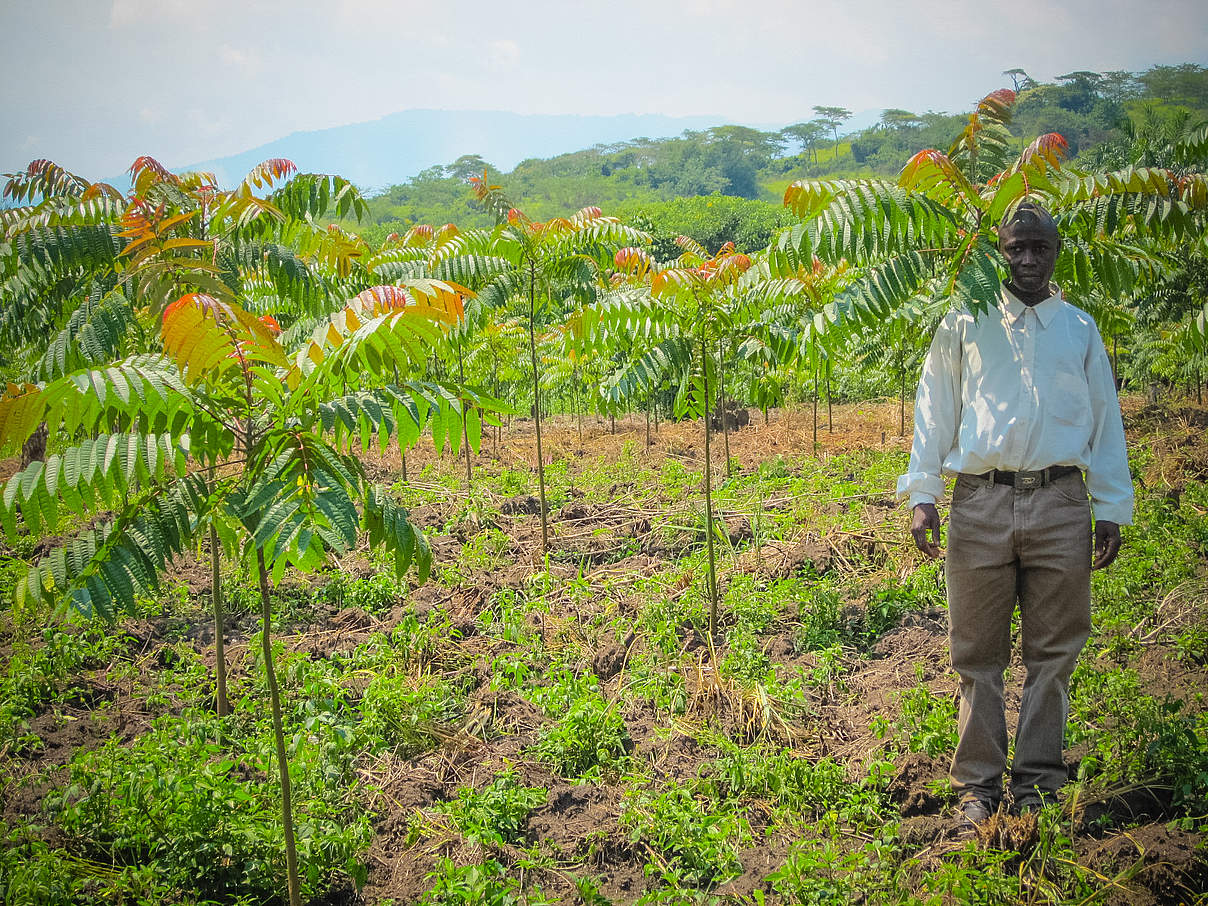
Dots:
{"x": 726, "y": 183}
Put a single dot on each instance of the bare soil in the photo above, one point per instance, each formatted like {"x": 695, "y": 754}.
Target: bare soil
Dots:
{"x": 1150, "y": 862}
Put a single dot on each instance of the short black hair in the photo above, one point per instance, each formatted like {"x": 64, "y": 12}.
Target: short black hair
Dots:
{"x": 1029, "y": 213}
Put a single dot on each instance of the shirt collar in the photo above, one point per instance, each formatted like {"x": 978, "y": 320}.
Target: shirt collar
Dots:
{"x": 1045, "y": 311}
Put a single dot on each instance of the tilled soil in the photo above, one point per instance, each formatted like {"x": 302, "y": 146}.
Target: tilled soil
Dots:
{"x": 579, "y": 824}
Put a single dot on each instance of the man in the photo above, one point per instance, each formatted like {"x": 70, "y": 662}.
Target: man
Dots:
{"x": 1018, "y": 403}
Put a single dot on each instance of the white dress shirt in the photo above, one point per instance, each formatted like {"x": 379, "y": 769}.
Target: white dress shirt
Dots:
{"x": 1020, "y": 388}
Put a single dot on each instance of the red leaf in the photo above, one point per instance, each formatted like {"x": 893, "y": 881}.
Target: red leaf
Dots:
{"x": 150, "y": 164}
{"x": 266, "y": 172}
{"x": 1050, "y": 147}
{"x": 420, "y": 234}
{"x": 631, "y": 260}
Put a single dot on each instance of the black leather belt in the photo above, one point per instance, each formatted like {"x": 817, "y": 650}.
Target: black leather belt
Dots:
{"x": 1028, "y": 480}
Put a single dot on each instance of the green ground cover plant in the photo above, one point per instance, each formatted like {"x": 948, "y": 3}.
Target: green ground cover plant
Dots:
{"x": 615, "y": 670}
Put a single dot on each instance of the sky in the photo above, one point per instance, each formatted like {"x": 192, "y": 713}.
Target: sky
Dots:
{"x": 92, "y": 84}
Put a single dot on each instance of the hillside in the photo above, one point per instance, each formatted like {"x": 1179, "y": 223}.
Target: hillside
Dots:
{"x": 376, "y": 153}
{"x": 1103, "y": 116}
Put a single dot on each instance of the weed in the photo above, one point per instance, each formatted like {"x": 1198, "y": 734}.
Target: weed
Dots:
{"x": 375, "y": 593}
{"x": 513, "y": 481}
{"x": 1135, "y": 738}
{"x": 823, "y": 871}
{"x": 821, "y": 616}
{"x": 974, "y": 877}
{"x": 753, "y": 608}
{"x": 927, "y": 722}
{"x": 692, "y": 840}
{"x": 591, "y": 738}
{"x": 31, "y": 871}
{"x": 408, "y": 717}
{"x": 487, "y": 884}
{"x": 886, "y": 607}
{"x": 48, "y": 673}
{"x": 495, "y": 814}
{"x": 745, "y": 660}
{"x": 798, "y": 788}
{"x": 209, "y": 820}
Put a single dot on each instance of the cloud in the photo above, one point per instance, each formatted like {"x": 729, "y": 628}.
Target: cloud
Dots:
{"x": 248, "y": 62}
{"x": 190, "y": 71}
{"x": 132, "y": 12}
{"x": 504, "y": 53}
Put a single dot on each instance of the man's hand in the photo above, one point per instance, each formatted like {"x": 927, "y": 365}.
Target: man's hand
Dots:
{"x": 926, "y": 530}
{"x": 1107, "y": 543}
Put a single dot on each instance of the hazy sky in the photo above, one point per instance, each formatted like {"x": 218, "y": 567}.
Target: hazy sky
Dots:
{"x": 92, "y": 84}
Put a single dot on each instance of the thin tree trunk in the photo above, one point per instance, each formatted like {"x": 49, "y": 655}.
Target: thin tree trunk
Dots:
{"x": 274, "y": 694}
{"x": 711, "y": 579}
{"x": 721, "y": 395}
{"x": 815, "y": 407}
{"x": 220, "y": 671}
{"x": 34, "y": 448}
{"x": 647, "y": 427}
{"x": 902, "y": 400}
{"x": 537, "y": 405}
{"x": 495, "y": 383}
{"x": 465, "y": 422}
{"x": 830, "y": 423}
{"x": 578, "y": 408}
{"x": 402, "y": 451}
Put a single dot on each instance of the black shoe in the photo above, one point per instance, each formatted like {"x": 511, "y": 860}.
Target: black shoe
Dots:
{"x": 974, "y": 812}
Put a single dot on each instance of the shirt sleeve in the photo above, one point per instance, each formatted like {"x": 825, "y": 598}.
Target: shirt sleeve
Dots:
{"x": 1107, "y": 475}
{"x": 937, "y": 407}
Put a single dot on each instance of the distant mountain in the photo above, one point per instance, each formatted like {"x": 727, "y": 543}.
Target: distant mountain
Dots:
{"x": 390, "y": 150}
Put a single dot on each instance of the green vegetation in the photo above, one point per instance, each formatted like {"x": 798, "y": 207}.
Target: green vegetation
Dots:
{"x": 694, "y": 773}
{"x": 664, "y": 655}
{"x": 1092, "y": 110}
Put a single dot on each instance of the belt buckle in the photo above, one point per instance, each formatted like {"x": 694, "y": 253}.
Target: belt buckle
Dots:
{"x": 1026, "y": 481}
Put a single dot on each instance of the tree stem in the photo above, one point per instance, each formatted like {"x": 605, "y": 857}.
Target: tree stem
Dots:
{"x": 721, "y": 397}
{"x": 711, "y": 580}
{"x": 830, "y": 422}
{"x": 537, "y": 404}
{"x": 274, "y": 694}
{"x": 220, "y": 671}
{"x": 465, "y": 427}
{"x": 815, "y": 407}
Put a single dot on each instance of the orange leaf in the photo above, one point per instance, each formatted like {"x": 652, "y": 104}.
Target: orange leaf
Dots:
{"x": 266, "y": 172}
{"x": 632, "y": 260}
{"x": 420, "y": 234}
{"x": 147, "y": 164}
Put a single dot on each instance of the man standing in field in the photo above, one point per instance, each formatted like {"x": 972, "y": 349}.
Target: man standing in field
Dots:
{"x": 1018, "y": 403}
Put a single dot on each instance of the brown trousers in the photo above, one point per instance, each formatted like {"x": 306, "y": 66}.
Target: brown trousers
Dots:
{"x": 1006, "y": 546}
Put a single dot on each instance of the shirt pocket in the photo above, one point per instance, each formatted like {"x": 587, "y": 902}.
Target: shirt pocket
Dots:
{"x": 1070, "y": 401}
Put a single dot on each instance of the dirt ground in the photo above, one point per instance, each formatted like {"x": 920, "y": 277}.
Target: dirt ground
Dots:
{"x": 1154, "y": 861}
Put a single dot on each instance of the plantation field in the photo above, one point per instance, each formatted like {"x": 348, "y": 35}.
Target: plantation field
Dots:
{"x": 529, "y": 729}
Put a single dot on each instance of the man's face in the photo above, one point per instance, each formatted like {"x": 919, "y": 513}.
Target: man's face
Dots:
{"x": 1031, "y": 252}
